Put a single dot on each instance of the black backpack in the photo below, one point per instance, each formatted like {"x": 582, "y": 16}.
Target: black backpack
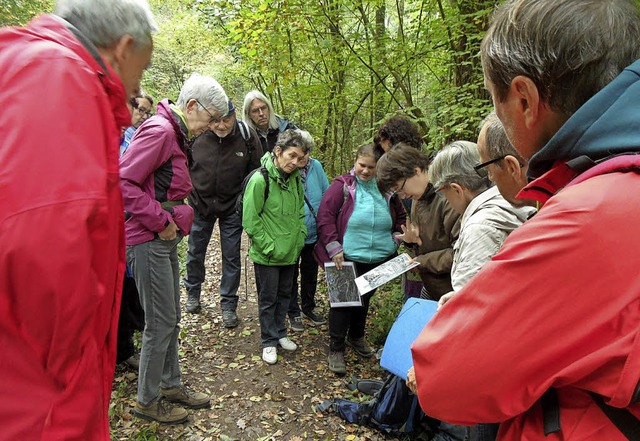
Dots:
{"x": 240, "y": 198}
{"x": 393, "y": 408}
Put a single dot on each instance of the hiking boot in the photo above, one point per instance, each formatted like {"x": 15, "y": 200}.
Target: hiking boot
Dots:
{"x": 360, "y": 346}
{"x": 270, "y": 355}
{"x": 193, "y": 304}
{"x": 287, "y": 344}
{"x": 336, "y": 362}
{"x": 229, "y": 319}
{"x": 295, "y": 323}
{"x": 133, "y": 362}
{"x": 161, "y": 411}
{"x": 186, "y": 397}
{"x": 315, "y": 318}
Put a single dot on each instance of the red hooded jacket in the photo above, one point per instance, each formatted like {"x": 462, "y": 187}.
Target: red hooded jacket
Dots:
{"x": 61, "y": 234}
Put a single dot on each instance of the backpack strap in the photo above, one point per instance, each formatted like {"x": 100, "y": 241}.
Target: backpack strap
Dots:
{"x": 315, "y": 215}
{"x": 265, "y": 175}
{"x": 246, "y": 135}
{"x": 627, "y": 423}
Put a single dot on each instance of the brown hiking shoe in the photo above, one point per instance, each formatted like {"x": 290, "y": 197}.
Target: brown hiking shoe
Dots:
{"x": 336, "y": 362}
{"x": 186, "y": 397}
{"x": 360, "y": 346}
{"x": 161, "y": 411}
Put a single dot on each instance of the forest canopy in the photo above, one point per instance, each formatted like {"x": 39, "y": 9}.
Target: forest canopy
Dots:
{"x": 336, "y": 68}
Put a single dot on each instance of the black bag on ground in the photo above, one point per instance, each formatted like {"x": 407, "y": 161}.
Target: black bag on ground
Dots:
{"x": 393, "y": 409}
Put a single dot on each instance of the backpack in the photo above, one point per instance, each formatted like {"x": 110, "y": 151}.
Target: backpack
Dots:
{"x": 393, "y": 409}
{"x": 240, "y": 198}
{"x": 246, "y": 135}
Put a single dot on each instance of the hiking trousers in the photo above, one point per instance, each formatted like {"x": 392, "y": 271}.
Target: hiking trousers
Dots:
{"x": 157, "y": 275}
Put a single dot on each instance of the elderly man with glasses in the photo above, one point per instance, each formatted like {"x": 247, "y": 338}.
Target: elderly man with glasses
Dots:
{"x": 220, "y": 159}
{"x": 501, "y": 162}
{"x": 155, "y": 181}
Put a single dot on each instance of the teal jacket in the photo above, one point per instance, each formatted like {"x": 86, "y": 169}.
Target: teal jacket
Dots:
{"x": 275, "y": 226}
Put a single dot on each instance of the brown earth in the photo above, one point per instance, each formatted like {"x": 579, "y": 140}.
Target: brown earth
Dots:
{"x": 250, "y": 399}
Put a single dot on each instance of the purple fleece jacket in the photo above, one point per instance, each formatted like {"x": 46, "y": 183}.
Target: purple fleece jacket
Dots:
{"x": 154, "y": 170}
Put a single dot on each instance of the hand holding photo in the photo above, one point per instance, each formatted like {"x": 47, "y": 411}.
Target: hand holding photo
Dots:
{"x": 384, "y": 273}
{"x": 341, "y": 285}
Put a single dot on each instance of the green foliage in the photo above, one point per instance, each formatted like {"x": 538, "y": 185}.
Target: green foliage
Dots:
{"x": 337, "y": 68}
{"x": 383, "y": 311}
{"x": 19, "y": 12}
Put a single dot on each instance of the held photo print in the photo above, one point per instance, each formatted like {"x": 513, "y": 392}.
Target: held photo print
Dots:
{"x": 342, "y": 286}
{"x": 384, "y": 273}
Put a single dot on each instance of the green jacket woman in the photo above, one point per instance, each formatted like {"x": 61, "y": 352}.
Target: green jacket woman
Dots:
{"x": 273, "y": 218}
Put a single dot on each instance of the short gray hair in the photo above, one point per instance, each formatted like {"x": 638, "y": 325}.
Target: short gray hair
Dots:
{"x": 104, "y": 23}
{"x": 246, "y": 109}
{"x": 496, "y": 141}
{"x": 454, "y": 165}
{"x": 207, "y": 91}
{"x": 570, "y": 49}
{"x": 295, "y": 138}
{"x": 308, "y": 139}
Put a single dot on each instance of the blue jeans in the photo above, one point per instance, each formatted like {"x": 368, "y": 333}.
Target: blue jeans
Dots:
{"x": 230, "y": 238}
{"x": 157, "y": 274}
{"x": 274, "y": 285}
{"x": 308, "y": 268}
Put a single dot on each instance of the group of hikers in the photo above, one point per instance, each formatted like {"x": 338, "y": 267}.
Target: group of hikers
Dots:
{"x": 536, "y": 336}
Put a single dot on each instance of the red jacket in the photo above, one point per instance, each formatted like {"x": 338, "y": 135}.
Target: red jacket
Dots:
{"x": 61, "y": 234}
{"x": 558, "y": 306}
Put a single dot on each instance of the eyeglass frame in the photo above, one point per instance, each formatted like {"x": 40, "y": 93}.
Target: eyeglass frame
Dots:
{"x": 479, "y": 167}
{"x": 144, "y": 112}
{"x": 213, "y": 119}
{"x": 401, "y": 189}
{"x": 260, "y": 109}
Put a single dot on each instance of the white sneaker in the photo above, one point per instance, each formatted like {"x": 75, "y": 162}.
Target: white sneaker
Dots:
{"x": 287, "y": 344}
{"x": 270, "y": 355}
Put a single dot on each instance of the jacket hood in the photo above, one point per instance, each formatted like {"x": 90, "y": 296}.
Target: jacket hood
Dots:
{"x": 607, "y": 124}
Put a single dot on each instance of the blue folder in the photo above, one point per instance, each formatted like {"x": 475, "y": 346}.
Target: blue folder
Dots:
{"x": 396, "y": 354}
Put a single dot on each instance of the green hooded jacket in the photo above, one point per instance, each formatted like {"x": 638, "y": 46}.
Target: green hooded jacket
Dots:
{"x": 275, "y": 226}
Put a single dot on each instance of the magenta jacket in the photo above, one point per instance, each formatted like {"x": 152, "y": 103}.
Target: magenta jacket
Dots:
{"x": 152, "y": 171}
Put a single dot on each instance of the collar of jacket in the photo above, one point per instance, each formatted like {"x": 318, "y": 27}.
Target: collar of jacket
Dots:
{"x": 81, "y": 45}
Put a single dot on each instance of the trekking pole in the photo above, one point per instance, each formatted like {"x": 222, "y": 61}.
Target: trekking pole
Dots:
{"x": 246, "y": 276}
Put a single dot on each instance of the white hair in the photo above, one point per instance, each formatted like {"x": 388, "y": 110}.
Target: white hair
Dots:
{"x": 307, "y": 138}
{"x": 207, "y": 91}
{"x": 454, "y": 164}
{"x": 105, "y": 22}
{"x": 246, "y": 109}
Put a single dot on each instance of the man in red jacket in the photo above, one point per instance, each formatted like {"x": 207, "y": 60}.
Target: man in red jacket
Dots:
{"x": 64, "y": 82}
{"x": 545, "y": 337}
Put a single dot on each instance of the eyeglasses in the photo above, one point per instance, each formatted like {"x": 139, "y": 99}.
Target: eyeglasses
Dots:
{"x": 224, "y": 119}
{"x": 214, "y": 119}
{"x": 439, "y": 190}
{"x": 401, "y": 189}
{"x": 144, "y": 112}
{"x": 259, "y": 110}
{"x": 480, "y": 167}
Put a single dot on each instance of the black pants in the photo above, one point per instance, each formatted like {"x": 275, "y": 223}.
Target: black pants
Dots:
{"x": 131, "y": 319}
{"x": 307, "y": 267}
{"x": 351, "y": 320}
